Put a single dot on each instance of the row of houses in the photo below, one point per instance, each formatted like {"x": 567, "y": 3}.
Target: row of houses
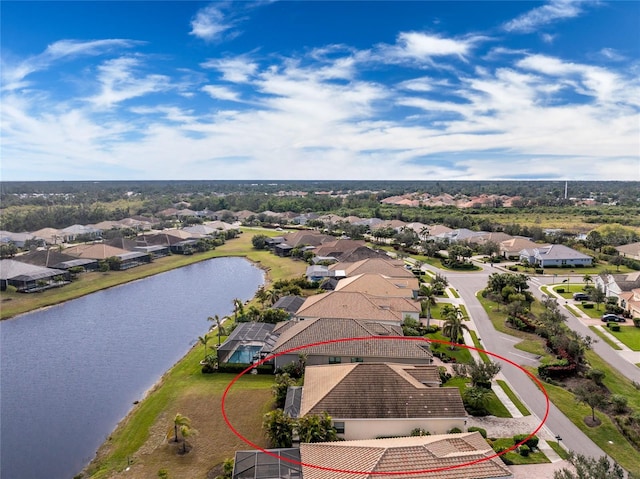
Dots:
{"x": 52, "y": 266}
{"x": 377, "y": 385}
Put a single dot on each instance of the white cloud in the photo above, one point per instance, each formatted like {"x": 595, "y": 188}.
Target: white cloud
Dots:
{"x": 210, "y": 23}
{"x": 422, "y": 47}
{"x": 236, "y": 70}
{"x": 549, "y": 13}
{"x": 220, "y": 93}
{"x": 13, "y": 75}
{"x": 118, "y": 82}
{"x": 547, "y": 38}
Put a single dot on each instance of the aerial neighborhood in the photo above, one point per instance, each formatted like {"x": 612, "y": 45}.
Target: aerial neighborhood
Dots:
{"x": 377, "y": 360}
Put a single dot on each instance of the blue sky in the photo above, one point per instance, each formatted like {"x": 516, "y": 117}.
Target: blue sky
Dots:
{"x": 320, "y": 90}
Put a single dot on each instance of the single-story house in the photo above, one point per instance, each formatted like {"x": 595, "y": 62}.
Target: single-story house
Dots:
{"x": 389, "y": 267}
{"x": 380, "y": 285}
{"x": 283, "y": 249}
{"x": 511, "y": 248}
{"x": 555, "y": 255}
{"x": 386, "y": 343}
{"x": 404, "y": 454}
{"x": 621, "y": 286}
{"x": 358, "y": 305}
{"x": 27, "y": 277}
{"x": 631, "y": 250}
{"x": 371, "y": 400}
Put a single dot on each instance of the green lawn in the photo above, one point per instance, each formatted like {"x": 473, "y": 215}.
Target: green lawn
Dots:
{"x": 461, "y": 354}
{"x": 604, "y": 337}
{"x": 514, "y": 399}
{"x": 494, "y": 405}
{"x": 559, "y": 450}
{"x": 476, "y": 343}
{"x": 536, "y": 457}
{"x": 606, "y": 435}
{"x": 629, "y": 335}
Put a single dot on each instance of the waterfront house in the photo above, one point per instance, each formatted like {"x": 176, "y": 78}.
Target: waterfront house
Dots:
{"x": 370, "y": 400}
{"x": 385, "y": 344}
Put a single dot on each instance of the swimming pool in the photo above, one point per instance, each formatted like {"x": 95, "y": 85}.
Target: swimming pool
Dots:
{"x": 244, "y": 354}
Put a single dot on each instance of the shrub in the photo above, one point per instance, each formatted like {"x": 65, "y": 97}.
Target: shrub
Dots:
{"x": 483, "y": 432}
{"x": 531, "y": 443}
{"x": 454, "y": 430}
{"x": 238, "y": 368}
{"x": 588, "y": 305}
{"x": 636, "y": 322}
{"x": 615, "y": 327}
{"x": 596, "y": 376}
{"x": 524, "y": 450}
{"x": 560, "y": 290}
{"x": 539, "y": 271}
{"x": 619, "y": 403}
{"x": 418, "y": 431}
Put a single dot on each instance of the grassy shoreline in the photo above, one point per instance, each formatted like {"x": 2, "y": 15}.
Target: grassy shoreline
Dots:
{"x": 137, "y": 439}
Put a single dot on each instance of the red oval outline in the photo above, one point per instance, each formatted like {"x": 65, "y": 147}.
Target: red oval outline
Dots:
{"x": 405, "y": 338}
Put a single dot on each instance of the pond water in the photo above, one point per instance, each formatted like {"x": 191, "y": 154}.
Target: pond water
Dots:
{"x": 70, "y": 373}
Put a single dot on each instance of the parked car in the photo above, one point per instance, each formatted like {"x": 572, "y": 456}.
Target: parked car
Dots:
{"x": 613, "y": 318}
{"x": 580, "y": 296}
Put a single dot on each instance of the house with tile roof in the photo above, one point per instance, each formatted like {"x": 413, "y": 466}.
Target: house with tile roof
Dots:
{"x": 555, "y": 255}
{"x": 380, "y": 285}
{"x": 389, "y": 267}
{"x": 27, "y": 277}
{"x": 511, "y": 248}
{"x": 370, "y": 400}
{"x": 631, "y": 250}
{"x": 625, "y": 287}
{"x": 437, "y": 453}
{"x": 358, "y": 305}
{"x": 386, "y": 343}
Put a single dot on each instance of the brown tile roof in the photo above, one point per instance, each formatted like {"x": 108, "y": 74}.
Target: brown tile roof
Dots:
{"x": 389, "y": 267}
{"x": 356, "y": 305}
{"x": 424, "y": 453}
{"x": 379, "y": 285}
{"x": 391, "y": 392}
{"x": 303, "y": 238}
{"x": 385, "y": 342}
{"x": 326, "y": 329}
{"x": 337, "y": 247}
{"x": 94, "y": 251}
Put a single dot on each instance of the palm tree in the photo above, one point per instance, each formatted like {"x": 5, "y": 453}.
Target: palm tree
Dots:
{"x": 587, "y": 279}
{"x": 216, "y": 319}
{"x": 186, "y": 431}
{"x": 453, "y": 325}
{"x": 273, "y": 295}
{"x": 179, "y": 422}
{"x": 238, "y": 309}
{"x": 428, "y": 299}
{"x": 262, "y": 296}
{"x": 204, "y": 340}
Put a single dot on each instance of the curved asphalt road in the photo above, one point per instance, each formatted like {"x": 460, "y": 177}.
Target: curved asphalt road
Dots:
{"x": 468, "y": 284}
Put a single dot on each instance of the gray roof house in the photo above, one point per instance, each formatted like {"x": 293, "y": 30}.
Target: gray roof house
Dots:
{"x": 27, "y": 277}
{"x": 555, "y": 255}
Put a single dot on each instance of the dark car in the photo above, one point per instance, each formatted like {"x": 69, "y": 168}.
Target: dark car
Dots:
{"x": 613, "y": 318}
{"x": 580, "y": 297}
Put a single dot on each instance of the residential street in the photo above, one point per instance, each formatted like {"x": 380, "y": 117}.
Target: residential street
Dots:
{"x": 467, "y": 285}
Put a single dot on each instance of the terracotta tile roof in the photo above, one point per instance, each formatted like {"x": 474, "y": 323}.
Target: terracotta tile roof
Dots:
{"x": 424, "y": 453}
{"x": 357, "y": 305}
{"x": 379, "y": 285}
{"x": 391, "y": 393}
{"x": 388, "y": 267}
{"x": 94, "y": 251}
{"x": 327, "y": 329}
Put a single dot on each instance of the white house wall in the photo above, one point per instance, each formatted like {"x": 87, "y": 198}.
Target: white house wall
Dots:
{"x": 355, "y": 429}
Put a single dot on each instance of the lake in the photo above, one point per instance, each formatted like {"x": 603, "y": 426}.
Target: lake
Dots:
{"x": 70, "y": 373}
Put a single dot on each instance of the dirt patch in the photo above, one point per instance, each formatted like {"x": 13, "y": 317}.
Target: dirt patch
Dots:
{"x": 214, "y": 441}
{"x": 591, "y": 422}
